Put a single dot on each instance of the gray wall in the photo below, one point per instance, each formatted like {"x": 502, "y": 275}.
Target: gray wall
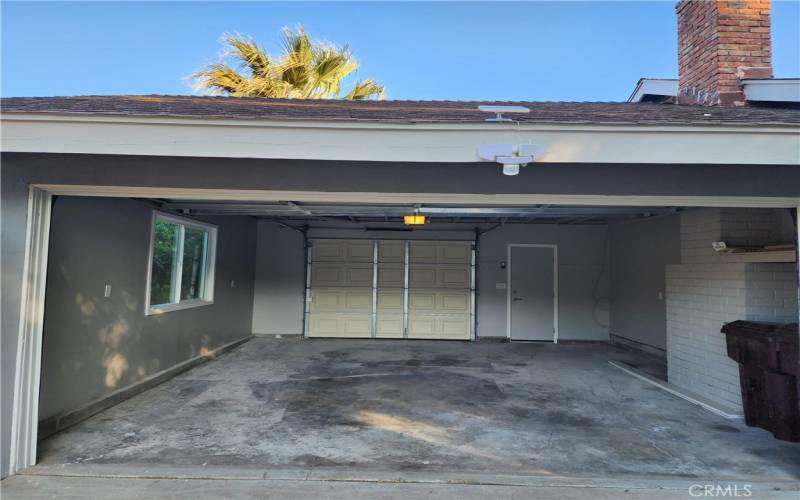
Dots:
{"x": 640, "y": 250}
{"x": 19, "y": 170}
{"x": 94, "y": 345}
{"x": 583, "y": 276}
{"x": 279, "y": 288}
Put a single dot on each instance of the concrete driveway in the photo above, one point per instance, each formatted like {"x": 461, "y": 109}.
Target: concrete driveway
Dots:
{"x": 542, "y": 415}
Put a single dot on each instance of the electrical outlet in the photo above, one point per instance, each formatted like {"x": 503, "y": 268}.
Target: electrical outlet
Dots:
{"x": 233, "y": 283}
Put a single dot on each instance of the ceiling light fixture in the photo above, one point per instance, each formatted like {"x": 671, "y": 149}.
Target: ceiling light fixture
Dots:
{"x": 414, "y": 219}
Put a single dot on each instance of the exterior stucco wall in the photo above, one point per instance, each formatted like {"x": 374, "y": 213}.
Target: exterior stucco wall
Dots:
{"x": 19, "y": 170}
{"x": 93, "y": 345}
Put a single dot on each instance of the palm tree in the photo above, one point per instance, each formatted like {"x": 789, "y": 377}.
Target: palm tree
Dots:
{"x": 305, "y": 70}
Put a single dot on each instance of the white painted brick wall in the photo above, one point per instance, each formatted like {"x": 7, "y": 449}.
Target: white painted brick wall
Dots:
{"x": 702, "y": 293}
{"x": 749, "y": 226}
{"x": 698, "y": 229}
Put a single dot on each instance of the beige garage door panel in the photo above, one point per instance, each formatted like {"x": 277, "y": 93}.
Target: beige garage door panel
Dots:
{"x": 341, "y": 293}
{"x": 337, "y": 275}
{"x": 439, "y": 295}
{"x": 438, "y": 301}
{"x": 389, "y": 326}
{"x": 440, "y": 252}
{"x": 340, "y": 325}
{"x": 342, "y": 251}
{"x": 347, "y": 300}
{"x": 438, "y": 276}
{"x": 391, "y": 275}
{"x": 391, "y": 251}
{"x": 390, "y": 301}
{"x": 438, "y": 327}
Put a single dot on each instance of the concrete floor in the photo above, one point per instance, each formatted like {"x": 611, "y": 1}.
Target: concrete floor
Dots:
{"x": 406, "y": 407}
{"x": 24, "y": 487}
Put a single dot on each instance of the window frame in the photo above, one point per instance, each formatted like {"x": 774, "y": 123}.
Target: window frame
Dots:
{"x": 209, "y": 269}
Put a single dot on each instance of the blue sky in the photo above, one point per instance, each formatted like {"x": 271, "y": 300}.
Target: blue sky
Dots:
{"x": 448, "y": 50}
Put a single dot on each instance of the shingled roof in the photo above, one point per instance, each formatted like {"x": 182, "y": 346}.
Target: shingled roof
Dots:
{"x": 406, "y": 112}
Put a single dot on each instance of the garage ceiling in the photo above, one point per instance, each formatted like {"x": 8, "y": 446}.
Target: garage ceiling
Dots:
{"x": 289, "y": 211}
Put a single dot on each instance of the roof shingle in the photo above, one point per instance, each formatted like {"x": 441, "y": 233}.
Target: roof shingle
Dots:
{"x": 611, "y": 113}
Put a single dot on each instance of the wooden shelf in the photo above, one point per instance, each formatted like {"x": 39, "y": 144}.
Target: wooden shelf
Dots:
{"x": 765, "y": 256}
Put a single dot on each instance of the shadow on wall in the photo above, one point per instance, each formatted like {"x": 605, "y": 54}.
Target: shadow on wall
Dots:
{"x": 114, "y": 335}
{"x": 94, "y": 345}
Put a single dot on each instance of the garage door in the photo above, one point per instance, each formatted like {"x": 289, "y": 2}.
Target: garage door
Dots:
{"x": 390, "y": 289}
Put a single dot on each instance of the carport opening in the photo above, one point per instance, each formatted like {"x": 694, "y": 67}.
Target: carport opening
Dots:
{"x": 641, "y": 286}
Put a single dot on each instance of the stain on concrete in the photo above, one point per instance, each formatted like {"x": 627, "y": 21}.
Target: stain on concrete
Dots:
{"x": 309, "y": 460}
{"x": 724, "y": 428}
{"x": 422, "y": 406}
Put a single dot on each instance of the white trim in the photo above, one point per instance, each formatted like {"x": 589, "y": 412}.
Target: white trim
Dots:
{"x": 25, "y": 410}
{"x": 772, "y": 89}
{"x": 797, "y": 257}
{"x": 184, "y": 304}
{"x": 666, "y": 87}
{"x": 397, "y": 142}
{"x": 411, "y": 198}
{"x": 208, "y": 273}
{"x": 775, "y": 90}
{"x": 555, "y": 286}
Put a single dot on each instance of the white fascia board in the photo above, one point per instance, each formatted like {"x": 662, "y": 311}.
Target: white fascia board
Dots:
{"x": 371, "y": 141}
{"x": 654, "y": 86}
{"x": 774, "y": 90}
{"x": 468, "y": 199}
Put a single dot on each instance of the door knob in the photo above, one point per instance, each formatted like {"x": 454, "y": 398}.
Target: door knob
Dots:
{"x": 517, "y": 298}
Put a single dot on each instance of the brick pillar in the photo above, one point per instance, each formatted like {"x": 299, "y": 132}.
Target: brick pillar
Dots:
{"x": 721, "y": 42}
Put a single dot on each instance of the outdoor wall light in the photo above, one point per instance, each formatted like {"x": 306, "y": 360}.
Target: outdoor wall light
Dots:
{"x": 510, "y": 156}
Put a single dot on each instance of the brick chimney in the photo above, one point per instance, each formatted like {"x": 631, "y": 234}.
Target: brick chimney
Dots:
{"x": 721, "y": 42}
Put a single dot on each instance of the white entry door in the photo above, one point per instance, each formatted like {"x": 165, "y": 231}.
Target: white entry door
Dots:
{"x": 532, "y": 292}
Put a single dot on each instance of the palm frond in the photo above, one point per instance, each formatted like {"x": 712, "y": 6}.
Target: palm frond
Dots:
{"x": 331, "y": 66}
{"x": 365, "y": 90}
{"x": 249, "y": 54}
{"x": 306, "y": 69}
{"x": 219, "y": 78}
